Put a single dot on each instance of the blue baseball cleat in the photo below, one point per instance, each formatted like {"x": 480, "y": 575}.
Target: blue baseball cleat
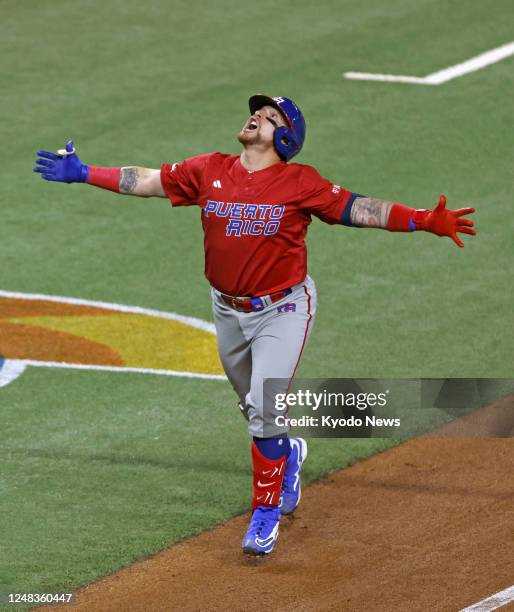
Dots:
{"x": 263, "y": 531}
{"x": 291, "y": 486}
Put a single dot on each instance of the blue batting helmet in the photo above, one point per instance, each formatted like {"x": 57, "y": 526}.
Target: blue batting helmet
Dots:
{"x": 289, "y": 140}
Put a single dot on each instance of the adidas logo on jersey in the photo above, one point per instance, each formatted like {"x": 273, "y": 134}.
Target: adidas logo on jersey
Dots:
{"x": 216, "y": 184}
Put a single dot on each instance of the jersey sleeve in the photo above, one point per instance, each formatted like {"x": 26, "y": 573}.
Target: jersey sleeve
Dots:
{"x": 320, "y": 197}
{"x": 182, "y": 180}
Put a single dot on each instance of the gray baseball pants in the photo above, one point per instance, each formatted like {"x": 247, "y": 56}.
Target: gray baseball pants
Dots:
{"x": 266, "y": 344}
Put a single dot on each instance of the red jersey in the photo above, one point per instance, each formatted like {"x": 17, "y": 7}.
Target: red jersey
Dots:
{"x": 254, "y": 222}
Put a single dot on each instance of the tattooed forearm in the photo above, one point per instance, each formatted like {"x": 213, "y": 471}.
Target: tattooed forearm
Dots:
{"x": 370, "y": 212}
{"x": 129, "y": 177}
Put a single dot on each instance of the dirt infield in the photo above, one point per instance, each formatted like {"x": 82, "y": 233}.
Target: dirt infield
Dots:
{"x": 426, "y": 526}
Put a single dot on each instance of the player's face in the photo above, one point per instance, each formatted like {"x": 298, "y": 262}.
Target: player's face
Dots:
{"x": 260, "y": 127}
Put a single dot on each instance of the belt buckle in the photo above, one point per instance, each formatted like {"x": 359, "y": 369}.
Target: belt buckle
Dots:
{"x": 237, "y": 303}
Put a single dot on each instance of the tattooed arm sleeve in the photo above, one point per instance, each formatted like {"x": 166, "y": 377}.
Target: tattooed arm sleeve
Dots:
{"x": 369, "y": 212}
{"x": 130, "y": 180}
{"x": 362, "y": 211}
{"x": 138, "y": 181}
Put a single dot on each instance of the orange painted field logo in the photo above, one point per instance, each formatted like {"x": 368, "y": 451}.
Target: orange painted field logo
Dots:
{"x": 49, "y": 331}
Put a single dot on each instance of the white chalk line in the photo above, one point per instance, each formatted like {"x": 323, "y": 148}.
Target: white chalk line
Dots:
{"x": 10, "y": 370}
{"x": 105, "y": 368}
{"x": 192, "y": 321}
{"x": 498, "y": 600}
{"x": 441, "y": 76}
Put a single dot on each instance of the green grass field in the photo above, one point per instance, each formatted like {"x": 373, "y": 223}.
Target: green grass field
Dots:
{"x": 99, "y": 469}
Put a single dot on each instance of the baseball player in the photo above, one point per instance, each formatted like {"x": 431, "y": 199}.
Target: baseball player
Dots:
{"x": 255, "y": 210}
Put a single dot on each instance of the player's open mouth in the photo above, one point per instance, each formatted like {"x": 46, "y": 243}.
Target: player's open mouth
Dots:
{"x": 251, "y": 126}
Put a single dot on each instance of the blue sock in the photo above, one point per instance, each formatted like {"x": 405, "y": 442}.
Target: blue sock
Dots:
{"x": 273, "y": 448}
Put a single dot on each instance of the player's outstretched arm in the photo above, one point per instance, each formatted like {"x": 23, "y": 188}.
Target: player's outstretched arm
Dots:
{"x": 66, "y": 167}
{"x": 362, "y": 211}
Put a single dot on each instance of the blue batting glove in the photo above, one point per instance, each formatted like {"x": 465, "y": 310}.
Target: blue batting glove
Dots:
{"x": 64, "y": 166}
